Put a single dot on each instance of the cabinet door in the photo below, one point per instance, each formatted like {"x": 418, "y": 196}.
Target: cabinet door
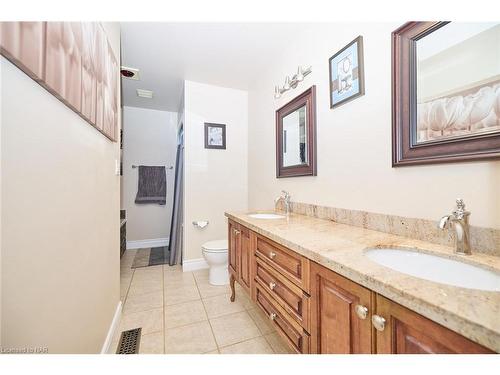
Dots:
{"x": 245, "y": 259}
{"x": 340, "y": 314}
{"x": 406, "y": 332}
{"x": 234, "y": 248}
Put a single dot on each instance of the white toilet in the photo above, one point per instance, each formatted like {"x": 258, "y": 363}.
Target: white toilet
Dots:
{"x": 215, "y": 253}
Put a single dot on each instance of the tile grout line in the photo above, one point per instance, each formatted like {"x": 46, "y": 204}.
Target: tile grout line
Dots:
{"x": 206, "y": 313}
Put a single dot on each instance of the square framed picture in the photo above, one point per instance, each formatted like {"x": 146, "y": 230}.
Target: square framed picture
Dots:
{"x": 215, "y": 136}
{"x": 346, "y": 73}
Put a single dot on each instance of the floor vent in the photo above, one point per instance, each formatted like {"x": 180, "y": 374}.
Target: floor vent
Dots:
{"x": 129, "y": 342}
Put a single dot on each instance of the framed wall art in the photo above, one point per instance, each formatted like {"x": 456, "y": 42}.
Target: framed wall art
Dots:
{"x": 346, "y": 73}
{"x": 215, "y": 136}
{"x": 74, "y": 61}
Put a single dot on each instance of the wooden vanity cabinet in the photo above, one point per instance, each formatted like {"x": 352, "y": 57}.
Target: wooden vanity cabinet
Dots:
{"x": 316, "y": 310}
{"x": 406, "y": 332}
{"x": 340, "y": 314}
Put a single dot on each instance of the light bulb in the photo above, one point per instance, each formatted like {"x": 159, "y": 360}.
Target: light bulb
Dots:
{"x": 277, "y": 93}
{"x": 300, "y": 74}
{"x": 286, "y": 86}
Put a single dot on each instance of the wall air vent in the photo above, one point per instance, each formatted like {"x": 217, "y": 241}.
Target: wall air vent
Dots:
{"x": 144, "y": 93}
{"x": 130, "y": 73}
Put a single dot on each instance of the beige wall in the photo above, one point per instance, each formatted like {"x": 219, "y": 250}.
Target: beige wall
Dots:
{"x": 60, "y": 220}
{"x": 149, "y": 138}
{"x": 214, "y": 180}
{"x": 354, "y": 140}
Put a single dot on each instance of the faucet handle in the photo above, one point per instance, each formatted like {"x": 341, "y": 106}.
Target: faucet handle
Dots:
{"x": 460, "y": 211}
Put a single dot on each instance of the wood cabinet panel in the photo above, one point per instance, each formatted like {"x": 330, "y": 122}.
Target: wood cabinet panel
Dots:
{"x": 290, "y": 264}
{"x": 234, "y": 246}
{"x": 407, "y": 332}
{"x": 246, "y": 258}
{"x": 336, "y": 327}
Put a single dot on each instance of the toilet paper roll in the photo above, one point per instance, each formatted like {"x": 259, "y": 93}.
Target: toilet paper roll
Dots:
{"x": 201, "y": 223}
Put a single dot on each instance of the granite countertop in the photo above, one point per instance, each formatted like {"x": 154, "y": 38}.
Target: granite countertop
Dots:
{"x": 473, "y": 313}
{"x": 122, "y": 221}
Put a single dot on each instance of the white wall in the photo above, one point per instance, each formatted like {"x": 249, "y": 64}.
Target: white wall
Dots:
{"x": 60, "y": 220}
{"x": 354, "y": 140}
{"x": 149, "y": 138}
{"x": 215, "y": 180}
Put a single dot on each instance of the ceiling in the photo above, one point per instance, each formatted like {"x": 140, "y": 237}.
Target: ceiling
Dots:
{"x": 223, "y": 54}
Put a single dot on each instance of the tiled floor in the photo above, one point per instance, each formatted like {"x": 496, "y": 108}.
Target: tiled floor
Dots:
{"x": 180, "y": 312}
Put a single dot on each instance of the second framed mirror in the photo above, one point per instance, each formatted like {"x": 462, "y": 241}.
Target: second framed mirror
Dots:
{"x": 296, "y": 136}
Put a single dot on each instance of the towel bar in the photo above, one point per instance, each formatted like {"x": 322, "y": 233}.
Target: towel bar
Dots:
{"x": 135, "y": 166}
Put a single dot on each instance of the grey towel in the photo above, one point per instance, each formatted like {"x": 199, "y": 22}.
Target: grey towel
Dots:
{"x": 152, "y": 185}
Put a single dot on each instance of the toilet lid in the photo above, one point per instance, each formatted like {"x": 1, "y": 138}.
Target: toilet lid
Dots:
{"x": 215, "y": 246}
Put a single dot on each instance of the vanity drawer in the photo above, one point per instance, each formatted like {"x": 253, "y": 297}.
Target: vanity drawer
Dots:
{"x": 293, "y": 333}
{"x": 286, "y": 262}
{"x": 293, "y": 299}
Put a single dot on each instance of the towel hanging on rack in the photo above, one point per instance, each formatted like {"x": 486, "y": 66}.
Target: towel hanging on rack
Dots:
{"x": 151, "y": 185}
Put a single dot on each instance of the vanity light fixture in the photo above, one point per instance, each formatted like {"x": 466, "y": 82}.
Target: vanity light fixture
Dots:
{"x": 291, "y": 83}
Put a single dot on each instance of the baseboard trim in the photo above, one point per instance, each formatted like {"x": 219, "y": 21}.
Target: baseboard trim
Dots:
{"x": 144, "y": 244}
{"x": 194, "y": 264}
{"x": 112, "y": 328}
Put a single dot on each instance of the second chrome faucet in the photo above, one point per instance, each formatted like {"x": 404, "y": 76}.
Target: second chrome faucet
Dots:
{"x": 459, "y": 221}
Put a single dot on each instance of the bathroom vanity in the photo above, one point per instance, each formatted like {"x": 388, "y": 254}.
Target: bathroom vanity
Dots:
{"x": 313, "y": 281}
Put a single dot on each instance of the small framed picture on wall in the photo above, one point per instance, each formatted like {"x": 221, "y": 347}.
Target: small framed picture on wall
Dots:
{"x": 215, "y": 136}
{"x": 347, "y": 80}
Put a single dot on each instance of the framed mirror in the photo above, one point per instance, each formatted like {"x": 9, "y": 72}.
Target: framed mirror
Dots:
{"x": 445, "y": 92}
{"x": 296, "y": 136}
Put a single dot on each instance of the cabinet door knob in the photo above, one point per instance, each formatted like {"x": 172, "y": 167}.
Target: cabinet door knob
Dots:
{"x": 272, "y": 285}
{"x": 378, "y": 322}
{"x": 361, "y": 311}
{"x": 272, "y": 255}
{"x": 236, "y": 231}
{"x": 272, "y": 316}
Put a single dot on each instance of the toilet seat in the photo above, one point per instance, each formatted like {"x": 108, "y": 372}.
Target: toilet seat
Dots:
{"x": 217, "y": 246}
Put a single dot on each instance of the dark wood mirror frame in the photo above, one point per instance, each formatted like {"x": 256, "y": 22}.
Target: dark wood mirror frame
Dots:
{"x": 404, "y": 112}
{"x": 307, "y": 98}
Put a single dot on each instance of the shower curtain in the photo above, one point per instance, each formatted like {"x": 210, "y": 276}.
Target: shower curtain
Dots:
{"x": 176, "y": 228}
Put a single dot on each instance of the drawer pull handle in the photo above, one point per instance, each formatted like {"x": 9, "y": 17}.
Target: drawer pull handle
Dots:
{"x": 361, "y": 311}
{"x": 272, "y": 316}
{"x": 272, "y": 255}
{"x": 272, "y": 285}
{"x": 378, "y": 322}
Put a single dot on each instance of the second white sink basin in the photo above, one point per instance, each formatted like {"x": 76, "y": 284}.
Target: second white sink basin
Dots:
{"x": 436, "y": 268}
{"x": 266, "y": 216}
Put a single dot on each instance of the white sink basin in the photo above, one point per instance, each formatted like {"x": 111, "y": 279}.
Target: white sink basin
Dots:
{"x": 266, "y": 216}
{"x": 436, "y": 268}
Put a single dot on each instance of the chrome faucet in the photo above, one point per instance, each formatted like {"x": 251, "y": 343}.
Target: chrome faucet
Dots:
{"x": 285, "y": 196}
{"x": 459, "y": 220}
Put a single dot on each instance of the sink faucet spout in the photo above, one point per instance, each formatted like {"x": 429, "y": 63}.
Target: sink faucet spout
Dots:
{"x": 459, "y": 221}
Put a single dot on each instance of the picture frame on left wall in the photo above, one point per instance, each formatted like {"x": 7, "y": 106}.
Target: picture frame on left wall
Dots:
{"x": 73, "y": 61}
